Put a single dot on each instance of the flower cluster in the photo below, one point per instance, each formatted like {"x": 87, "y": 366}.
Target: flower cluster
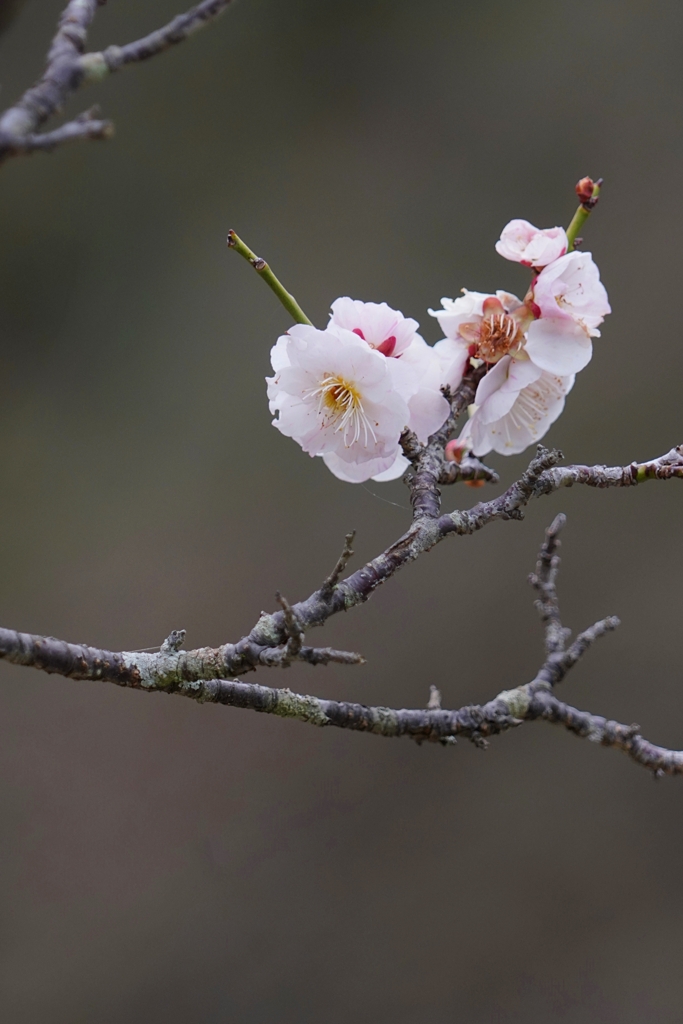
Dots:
{"x": 346, "y": 393}
{"x": 534, "y": 347}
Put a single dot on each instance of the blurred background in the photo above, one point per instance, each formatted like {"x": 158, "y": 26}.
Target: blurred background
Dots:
{"x": 164, "y": 862}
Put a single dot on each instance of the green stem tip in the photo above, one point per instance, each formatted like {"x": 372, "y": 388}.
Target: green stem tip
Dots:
{"x": 264, "y": 271}
{"x": 589, "y": 192}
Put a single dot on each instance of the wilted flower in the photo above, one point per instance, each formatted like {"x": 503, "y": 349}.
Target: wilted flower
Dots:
{"x": 480, "y": 326}
{"x": 534, "y": 247}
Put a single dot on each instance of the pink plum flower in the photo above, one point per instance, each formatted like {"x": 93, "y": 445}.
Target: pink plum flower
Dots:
{"x": 382, "y": 327}
{"x": 515, "y": 404}
{"x": 570, "y": 289}
{"x": 533, "y": 247}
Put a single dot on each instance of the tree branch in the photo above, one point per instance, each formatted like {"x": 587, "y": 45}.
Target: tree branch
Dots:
{"x": 509, "y": 709}
{"x": 269, "y": 642}
{"x": 429, "y": 462}
{"x": 68, "y": 67}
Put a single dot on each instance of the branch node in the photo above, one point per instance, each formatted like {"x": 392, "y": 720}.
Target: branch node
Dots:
{"x": 173, "y": 642}
{"x": 434, "y": 702}
{"x": 479, "y": 741}
{"x": 293, "y": 631}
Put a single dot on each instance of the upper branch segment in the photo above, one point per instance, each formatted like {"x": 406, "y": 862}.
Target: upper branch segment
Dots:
{"x": 68, "y": 67}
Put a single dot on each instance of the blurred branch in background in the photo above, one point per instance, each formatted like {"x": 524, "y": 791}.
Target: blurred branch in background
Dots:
{"x": 68, "y": 67}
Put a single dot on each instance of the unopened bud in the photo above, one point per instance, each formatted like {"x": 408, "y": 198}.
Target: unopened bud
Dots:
{"x": 475, "y": 483}
{"x": 455, "y": 450}
{"x": 584, "y": 189}
{"x": 587, "y": 190}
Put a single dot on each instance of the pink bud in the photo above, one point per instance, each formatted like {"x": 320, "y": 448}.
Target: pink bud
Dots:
{"x": 586, "y": 191}
{"x": 456, "y": 449}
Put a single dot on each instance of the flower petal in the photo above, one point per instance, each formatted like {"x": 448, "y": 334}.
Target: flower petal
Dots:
{"x": 389, "y": 468}
{"x": 558, "y": 346}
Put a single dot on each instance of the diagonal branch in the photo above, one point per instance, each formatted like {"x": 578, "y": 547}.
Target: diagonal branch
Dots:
{"x": 177, "y": 30}
{"x": 68, "y": 67}
{"x": 263, "y": 646}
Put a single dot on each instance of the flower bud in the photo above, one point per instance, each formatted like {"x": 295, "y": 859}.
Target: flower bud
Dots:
{"x": 587, "y": 190}
{"x": 584, "y": 189}
{"x": 456, "y": 449}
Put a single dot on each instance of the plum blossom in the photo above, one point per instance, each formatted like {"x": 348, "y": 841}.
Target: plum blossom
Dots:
{"x": 515, "y": 405}
{"x": 414, "y": 365}
{"x": 552, "y": 327}
{"x": 335, "y": 395}
{"x": 570, "y": 289}
{"x": 521, "y": 242}
{"x": 482, "y": 326}
{"x": 382, "y": 327}
{"x": 347, "y": 393}
{"x": 416, "y": 373}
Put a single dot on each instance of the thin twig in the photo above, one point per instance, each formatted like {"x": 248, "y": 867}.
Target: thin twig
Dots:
{"x": 262, "y": 268}
{"x": 200, "y": 674}
{"x": 347, "y": 553}
{"x": 544, "y": 582}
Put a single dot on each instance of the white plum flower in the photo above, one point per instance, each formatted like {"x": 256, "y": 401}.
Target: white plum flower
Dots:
{"x": 570, "y": 289}
{"x": 333, "y": 394}
{"x": 558, "y": 346}
{"x": 515, "y": 404}
{"x": 533, "y": 247}
{"x": 414, "y": 365}
{"x": 532, "y": 348}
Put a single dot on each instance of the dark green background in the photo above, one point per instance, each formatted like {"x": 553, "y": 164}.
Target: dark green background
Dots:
{"x": 163, "y": 862}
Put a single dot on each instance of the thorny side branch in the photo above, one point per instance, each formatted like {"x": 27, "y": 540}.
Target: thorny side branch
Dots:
{"x": 68, "y": 67}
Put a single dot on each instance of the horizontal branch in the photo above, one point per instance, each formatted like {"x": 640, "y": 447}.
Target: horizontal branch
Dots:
{"x": 475, "y": 722}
